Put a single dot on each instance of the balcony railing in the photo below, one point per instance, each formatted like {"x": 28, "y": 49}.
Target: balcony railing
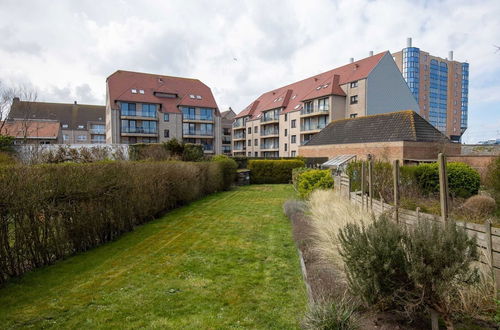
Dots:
{"x": 97, "y": 131}
{"x": 148, "y": 114}
{"x": 239, "y": 148}
{"x": 312, "y": 127}
{"x": 226, "y": 140}
{"x": 198, "y": 133}
{"x": 269, "y": 118}
{"x": 269, "y": 132}
{"x": 197, "y": 117}
{"x": 270, "y": 146}
{"x": 97, "y": 141}
{"x": 139, "y": 130}
{"x": 239, "y": 136}
{"x": 238, "y": 124}
{"x": 208, "y": 147}
{"x": 320, "y": 110}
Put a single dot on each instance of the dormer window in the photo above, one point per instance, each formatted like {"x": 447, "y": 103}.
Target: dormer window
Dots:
{"x": 65, "y": 126}
{"x": 198, "y": 97}
{"x": 134, "y": 91}
{"x": 141, "y": 91}
{"x": 191, "y": 96}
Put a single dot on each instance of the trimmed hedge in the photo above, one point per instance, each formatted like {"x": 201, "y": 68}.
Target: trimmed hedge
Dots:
{"x": 229, "y": 167}
{"x": 273, "y": 171}
{"x": 48, "y": 212}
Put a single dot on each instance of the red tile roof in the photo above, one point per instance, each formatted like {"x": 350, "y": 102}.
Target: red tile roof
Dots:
{"x": 328, "y": 83}
{"x": 32, "y": 129}
{"x": 121, "y": 83}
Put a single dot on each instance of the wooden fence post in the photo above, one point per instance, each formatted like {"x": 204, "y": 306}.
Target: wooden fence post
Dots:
{"x": 395, "y": 171}
{"x": 489, "y": 252}
{"x": 370, "y": 182}
{"x": 349, "y": 188}
{"x": 363, "y": 170}
{"x": 418, "y": 215}
{"x": 443, "y": 187}
{"x": 381, "y": 203}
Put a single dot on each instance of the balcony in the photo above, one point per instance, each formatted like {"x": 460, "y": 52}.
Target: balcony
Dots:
{"x": 324, "y": 110}
{"x": 139, "y": 130}
{"x": 312, "y": 128}
{"x": 197, "y": 118}
{"x": 135, "y": 114}
{"x": 269, "y": 132}
{"x": 239, "y": 136}
{"x": 269, "y": 146}
{"x": 226, "y": 140}
{"x": 198, "y": 133}
{"x": 97, "y": 131}
{"x": 208, "y": 147}
{"x": 97, "y": 141}
{"x": 269, "y": 119}
{"x": 239, "y": 148}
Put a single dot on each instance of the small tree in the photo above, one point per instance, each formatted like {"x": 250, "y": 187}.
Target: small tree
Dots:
{"x": 175, "y": 147}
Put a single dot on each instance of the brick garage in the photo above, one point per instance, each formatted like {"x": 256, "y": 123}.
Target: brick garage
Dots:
{"x": 400, "y": 135}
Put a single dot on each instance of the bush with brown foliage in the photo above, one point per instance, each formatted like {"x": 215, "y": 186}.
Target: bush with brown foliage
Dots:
{"x": 48, "y": 212}
{"x": 479, "y": 207}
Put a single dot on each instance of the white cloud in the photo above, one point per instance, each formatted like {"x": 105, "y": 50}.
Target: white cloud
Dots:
{"x": 67, "y": 49}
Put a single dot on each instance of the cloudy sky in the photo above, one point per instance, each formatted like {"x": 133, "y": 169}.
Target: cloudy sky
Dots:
{"x": 66, "y": 49}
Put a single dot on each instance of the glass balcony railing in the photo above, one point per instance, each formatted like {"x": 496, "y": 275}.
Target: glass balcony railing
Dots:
{"x": 239, "y": 136}
{"x": 97, "y": 131}
{"x": 269, "y": 118}
{"x": 97, "y": 141}
{"x": 319, "y": 110}
{"x": 269, "y": 132}
{"x": 140, "y": 130}
{"x": 239, "y": 148}
{"x": 312, "y": 127}
{"x": 148, "y": 114}
{"x": 270, "y": 146}
{"x": 208, "y": 147}
{"x": 199, "y": 133}
{"x": 197, "y": 117}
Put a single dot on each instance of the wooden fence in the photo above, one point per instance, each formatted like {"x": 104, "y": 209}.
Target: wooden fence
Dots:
{"x": 488, "y": 237}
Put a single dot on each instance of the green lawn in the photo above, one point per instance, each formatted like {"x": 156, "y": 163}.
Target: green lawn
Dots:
{"x": 226, "y": 261}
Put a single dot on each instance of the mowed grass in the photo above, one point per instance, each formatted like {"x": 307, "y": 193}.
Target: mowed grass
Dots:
{"x": 226, "y": 261}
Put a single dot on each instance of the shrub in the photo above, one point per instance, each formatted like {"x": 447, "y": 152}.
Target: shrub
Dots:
{"x": 332, "y": 315}
{"x": 410, "y": 271}
{"x": 293, "y": 207}
{"x": 175, "y": 147}
{"x": 148, "y": 151}
{"x": 273, "y": 171}
{"x": 6, "y": 143}
{"x": 6, "y": 159}
{"x": 479, "y": 206}
{"x": 296, "y": 172}
{"x": 314, "y": 179}
{"x": 229, "y": 167}
{"x": 463, "y": 180}
{"x": 48, "y": 212}
{"x": 192, "y": 152}
{"x": 493, "y": 177}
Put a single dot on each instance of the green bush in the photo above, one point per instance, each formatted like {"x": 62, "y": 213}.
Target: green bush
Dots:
{"x": 6, "y": 143}
{"x": 175, "y": 147}
{"x": 273, "y": 171}
{"x": 463, "y": 180}
{"x": 296, "y": 172}
{"x": 148, "y": 151}
{"x": 192, "y": 152}
{"x": 229, "y": 167}
{"x": 6, "y": 159}
{"x": 48, "y": 212}
{"x": 493, "y": 178}
{"x": 338, "y": 315}
{"x": 314, "y": 179}
{"x": 409, "y": 270}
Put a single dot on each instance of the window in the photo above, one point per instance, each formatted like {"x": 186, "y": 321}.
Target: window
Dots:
{"x": 81, "y": 126}
{"x": 206, "y": 114}
{"x": 166, "y": 133}
{"x": 65, "y": 126}
{"x": 65, "y": 137}
{"x": 249, "y": 130}
{"x": 294, "y": 153}
{"x": 127, "y": 109}
{"x": 354, "y": 84}
{"x": 249, "y": 143}
{"x": 81, "y": 138}
{"x": 148, "y": 110}
{"x": 134, "y": 91}
{"x": 249, "y": 154}
{"x": 256, "y": 129}
{"x": 286, "y": 146}
{"x": 286, "y": 116}
{"x": 354, "y": 99}
{"x": 294, "y": 138}
{"x": 256, "y": 142}
{"x": 286, "y": 132}
{"x": 294, "y": 123}
{"x": 353, "y": 115}
{"x": 188, "y": 113}
{"x": 323, "y": 104}
{"x": 256, "y": 154}
{"x": 166, "y": 117}
{"x": 141, "y": 91}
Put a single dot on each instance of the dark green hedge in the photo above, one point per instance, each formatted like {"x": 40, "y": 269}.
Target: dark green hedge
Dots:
{"x": 273, "y": 171}
{"x": 48, "y": 212}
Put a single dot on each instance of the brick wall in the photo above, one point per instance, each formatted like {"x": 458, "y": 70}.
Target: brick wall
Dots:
{"x": 480, "y": 163}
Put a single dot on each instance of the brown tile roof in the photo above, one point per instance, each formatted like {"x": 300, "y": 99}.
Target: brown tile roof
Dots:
{"x": 388, "y": 127}
{"x": 31, "y": 129}
{"x": 69, "y": 114}
{"x": 122, "y": 82}
{"x": 327, "y": 83}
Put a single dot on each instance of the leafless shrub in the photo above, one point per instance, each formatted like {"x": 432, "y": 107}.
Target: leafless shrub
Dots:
{"x": 478, "y": 207}
{"x": 293, "y": 207}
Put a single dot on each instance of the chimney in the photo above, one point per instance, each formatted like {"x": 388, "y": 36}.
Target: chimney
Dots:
{"x": 15, "y": 99}
{"x": 75, "y": 102}
{"x": 370, "y": 53}
{"x": 408, "y": 42}
{"x": 450, "y": 55}
{"x": 351, "y": 60}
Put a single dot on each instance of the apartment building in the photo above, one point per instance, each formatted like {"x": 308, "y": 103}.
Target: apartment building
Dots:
{"x": 440, "y": 85}
{"x": 149, "y": 108}
{"x": 227, "y": 119}
{"x": 279, "y": 121}
{"x": 78, "y": 123}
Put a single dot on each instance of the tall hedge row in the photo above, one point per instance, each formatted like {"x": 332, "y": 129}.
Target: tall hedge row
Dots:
{"x": 273, "y": 171}
{"x": 48, "y": 212}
